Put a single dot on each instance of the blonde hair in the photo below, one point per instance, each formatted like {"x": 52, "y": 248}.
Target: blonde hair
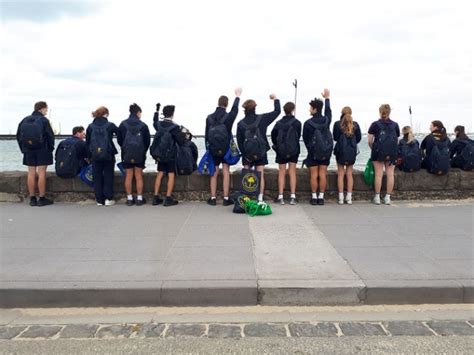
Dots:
{"x": 385, "y": 111}
{"x": 407, "y": 131}
{"x": 100, "y": 112}
{"x": 347, "y": 123}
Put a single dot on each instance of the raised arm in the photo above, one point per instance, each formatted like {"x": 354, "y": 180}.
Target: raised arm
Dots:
{"x": 268, "y": 118}
{"x": 327, "y": 106}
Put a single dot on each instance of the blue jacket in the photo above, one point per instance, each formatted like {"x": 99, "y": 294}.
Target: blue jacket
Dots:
{"x": 48, "y": 135}
{"x": 133, "y": 121}
{"x": 221, "y": 115}
{"x": 112, "y": 131}
{"x": 308, "y": 130}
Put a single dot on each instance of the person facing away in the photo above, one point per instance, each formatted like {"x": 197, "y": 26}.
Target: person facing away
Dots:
{"x": 409, "y": 153}
{"x": 319, "y": 144}
{"x": 346, "y": 134}
{"x": 435, "y": 150}
{"x": 461, "y": 151}
{"x": 286, "y": 142}
{"x": 164, "y": 149}
{"x": 71, "y": 154}
{"x": 134, "y": 139}
{"x": 102, "y": 151}
{"x": 35, "y": 138}
{"x": 218, "y": 135}
{"x": 252, "y": 137}
{"x": 383, "y": 142}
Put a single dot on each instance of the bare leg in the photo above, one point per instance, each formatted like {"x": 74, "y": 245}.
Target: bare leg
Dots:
{"x": 159, "y": 176}
{"x": 170, "y": 185}
{"x": 350, "y": 179}
{"x": 292, "y": 174}
{"x": 261, "y": 169}
{"x": 128, "y": 181}
{"x": 138, "y": 172}
{"x": 313, "y": 172}
{"x": 378, "y": 167}
{"x": 225, "y": 179}
{"x": 322, "y": 178}
{"x": 42, "y": 180}
{"x": 281, "y": 178}
{"x": 389, "y": 170}
{"x": 32, "y": 180}
{"x": 340, "y": 178}
{"x": 213, "y": 182}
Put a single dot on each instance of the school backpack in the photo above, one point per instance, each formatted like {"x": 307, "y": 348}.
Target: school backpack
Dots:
{"x": 467, "y": 155}
{"x": 31, "y": 133}
{"x": 99, "y": 146}
{"x": 164, "y": 147}
{"x": 255, "y": 145}
{"x": 287, "y": 142}
{"x": 386, "y": 144}
{"x": 439, "y": 158}
{"x": 346, "y": 149}
{"x": 218, "y": 138}
{"x": 185, "y": 159}
{"x": 67, "y": 165}
{"x": 411, "y": 156}
{"x": 321, "y": 143}
{"x": 133, "y": 147}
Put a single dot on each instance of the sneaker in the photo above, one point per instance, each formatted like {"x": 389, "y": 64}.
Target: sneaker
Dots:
{"x": 33, "y": 201}
{"x": 280, "y": 201}
{"x": 313, "y": 201}
{"x": 320, "y": 201}
{"x": 100, "y": 204}
{"x": 130, "y": 202}
{"x": 349, "y": 201}
{"x": 169, "y": 201}
{"x": 376, "y": 200}
{"x": 157, "y": 200}
{"x": 228, "y": 202}
{"x": 386, "y": 200}
{"x": 340, "y": 201}
{"x": 211, "y": 201}
{"x": 140, "y": 202}
{"x": 293, "y": 201}
{"x": 109, "y": 202}
{"x": 43, "y": 201}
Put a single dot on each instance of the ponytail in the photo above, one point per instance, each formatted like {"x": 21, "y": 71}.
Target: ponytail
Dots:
{"x": 408, "y": 134}
{"x": 347, "y": 123}
{"x": 100, "y": 112}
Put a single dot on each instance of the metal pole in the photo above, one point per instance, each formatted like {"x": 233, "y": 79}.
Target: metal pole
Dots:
{"x": 295, "y": 84}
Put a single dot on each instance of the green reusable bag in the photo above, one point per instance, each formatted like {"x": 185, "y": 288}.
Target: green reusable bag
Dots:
{"x": 369, "y": 173}
{"x": 254, "y": 208}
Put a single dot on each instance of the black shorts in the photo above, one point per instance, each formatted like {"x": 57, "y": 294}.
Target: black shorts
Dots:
{"x": 293, "y": 159}
{"x": 132, "y": 165}
{"x": 167, "y": 167}
{"x": 38, "y": 157}
{"x": 310, "y": 162}
{"x": 217, "y": 160}
{"x": 373, "y": 157}
{"x": 260, "y": 162}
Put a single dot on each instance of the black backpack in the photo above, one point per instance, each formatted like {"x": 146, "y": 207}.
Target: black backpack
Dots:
{"x": 31, "y": 133}
{"x": 346, "y": 149}
{"x": 288, "y": 142}
{"x": 164, "y": 147}
{"x": 185, "y": 162}
{"x": 439, "y": 158}
{"x": 255, "y": 146}
{"x": 99, "y": 146}
{"x": 67, "y": 165}
{"x": 386, "y": 144}
{"x": 321, "y": 143}
{"x": 410, "y": 154}
{"x": 133, "y": 147}
{"x": 467, "y": 155}
{"x": 218, "y": 138}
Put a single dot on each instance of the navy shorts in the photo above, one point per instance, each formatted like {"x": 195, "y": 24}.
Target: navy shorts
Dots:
{"x": 38, "y": 157}
{"x": 309, "y": 162}
{"x": 218, "y": 160}
{"x": 260, "y": 162}
{"x": 131, "y": 165}
{"x": 280, "y": 160}
{"x": 167, "y": 167}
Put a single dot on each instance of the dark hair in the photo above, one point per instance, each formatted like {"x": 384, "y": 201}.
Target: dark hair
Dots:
{"x": 223, "y": 101}
{"x": 168, "y": 111}
{"x": 460, "y": 132}
{"x": 78, "y": 129}
{"x": 289, "y": 107}
{"x": 134, "y": 109}
{"x": 100, "y": 112}
{"x": 440, "y": 128}
{"x": 317, "y": 104}
{"x": 249, "y": 106}
{"x": 40, "y": 105}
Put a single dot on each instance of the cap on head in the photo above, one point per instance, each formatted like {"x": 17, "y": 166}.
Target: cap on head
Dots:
{"x": 168, "y": 111}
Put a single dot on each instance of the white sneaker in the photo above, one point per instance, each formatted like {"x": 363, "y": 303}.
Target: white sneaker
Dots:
{"x": 109, "y": 202}
{"x": 386, "y": 200}
{"x": 376, "y": 199}
{"x": 349, "y": 201}
{"x": 99, "y": 204}
{"x": 340, "y": 201}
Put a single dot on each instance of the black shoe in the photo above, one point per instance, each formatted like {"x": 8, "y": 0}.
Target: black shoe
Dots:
{"x": 321, "y": 201}
{"x": 130, "y": 202}
{"x": 212, "y": 201}
{"x": 43, "y": 201}
{"x": 157, "y": 200}
{"x": 33, "y": 201}
{"x": 140, "y": 202}
{"x": 314, "y": 201}
{"x": 169, "y": 201}
{"x": 228, "y": 202}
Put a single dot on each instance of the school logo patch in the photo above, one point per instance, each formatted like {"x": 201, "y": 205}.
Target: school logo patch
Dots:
{"x": 250, "y": 182}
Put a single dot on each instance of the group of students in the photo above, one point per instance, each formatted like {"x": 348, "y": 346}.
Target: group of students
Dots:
{"x": 175, "y": 153}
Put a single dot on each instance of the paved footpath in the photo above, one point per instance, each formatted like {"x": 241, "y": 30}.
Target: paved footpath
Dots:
{"x": 194, "y": 254}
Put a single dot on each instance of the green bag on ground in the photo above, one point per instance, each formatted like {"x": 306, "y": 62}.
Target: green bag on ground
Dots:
{"x": 369, "y": 173}
{"x": 254, "y": 208}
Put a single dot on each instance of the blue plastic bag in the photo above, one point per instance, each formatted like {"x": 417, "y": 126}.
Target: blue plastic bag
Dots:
{"x": 232, "y": 156}
{"x": 206, "y": 165}
{"x": 121, "y": 168}
{"x": 86, "y": 175}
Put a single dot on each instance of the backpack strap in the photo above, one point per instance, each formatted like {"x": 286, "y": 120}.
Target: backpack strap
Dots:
{"x": 255, "y": 124}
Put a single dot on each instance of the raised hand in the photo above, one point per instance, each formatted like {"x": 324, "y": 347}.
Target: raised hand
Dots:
{"x": 158, "y": 105}
{"x": 238, "y": 92}
{"x": 325, "y": 93}
{"x": 273, "y": 96}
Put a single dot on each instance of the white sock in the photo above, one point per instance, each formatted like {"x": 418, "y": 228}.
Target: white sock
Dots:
{"x": 280, "y": 196}
{"x": 341, "y": 195}
{"x": 349, "y": 196}
{"x": 129, "y": 197}
{"x": 377, "y": 194}
{"x": 213, "y": 197}
{"x": 387, "y": 196}
{"x": 260, "y": 197}
{"x": 293, "y": 196}
{"x": 139, "y": 197}
{"x": 226, "y": 197}
{"x": 321, "y": 195}
{"x": 313, "y": 195}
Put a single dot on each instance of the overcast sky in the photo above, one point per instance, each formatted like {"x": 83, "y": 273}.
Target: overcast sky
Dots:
{"x": 78, "y": 55}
